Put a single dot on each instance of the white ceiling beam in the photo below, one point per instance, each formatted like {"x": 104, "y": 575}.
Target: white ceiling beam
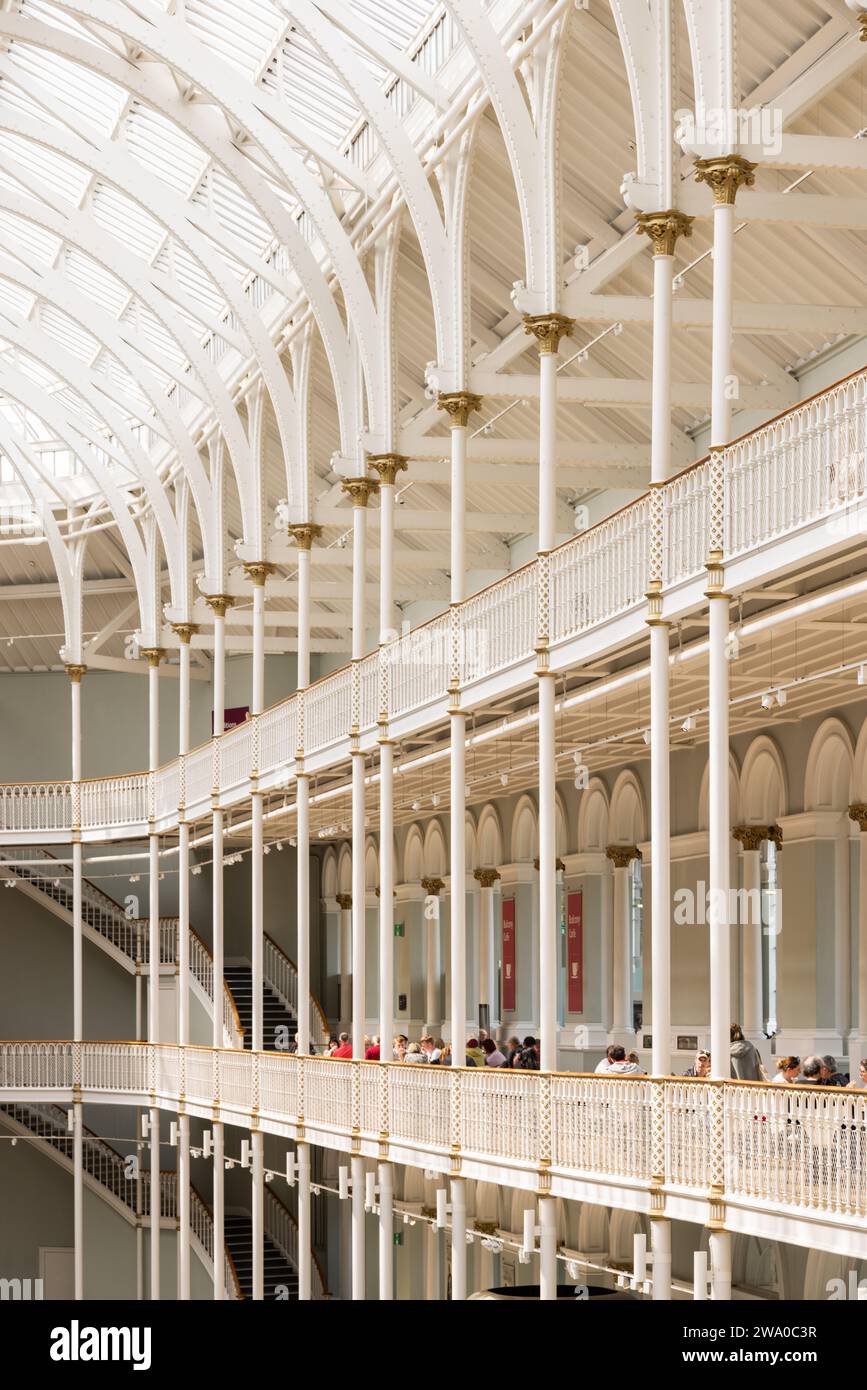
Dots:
{"x": 416, "y": 519}
{"x": 615, "y": 390}
{"x": 798, "y": 209}
{"x": 502, "y": 474}
{"x": 26, "y": 593}
{"x": 747, "y": 317}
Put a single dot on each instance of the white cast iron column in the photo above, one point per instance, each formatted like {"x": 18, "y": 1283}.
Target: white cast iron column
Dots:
{"x": 387, "y": 466}
{"x": 547, "y": 329}
{"x": 218, "y": 604}
{"x": 432, "y": 887}
{"x": 359, "y": 490}
{"x": 386, "y": 1232}
{"x": 344, "y": 902}
{"x": 459, "y": 1239}
{"x": 154, "y": 656}
{"x": 547, "y": 1247}
{"x": 623, "y": 1025}
{"x": 184, "y": 632}
{"x": 358, "y": 1251}
{"x": 486, "y": 879}
{"x": 663, "y": 229}
{"x": 305, "y": 1257}
{"x": 219, "y": 1151}
{"x": 750, "y": 839}
{"x": 304, "y": 535}
{"x": 75, "y": 674}
{"x": 258, "y": 1195}
{"x": 458, "y": 405}
{"x": 258, "y": 574}
{"x": 725, "y": 175}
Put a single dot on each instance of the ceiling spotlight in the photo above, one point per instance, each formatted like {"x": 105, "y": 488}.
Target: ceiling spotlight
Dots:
{"x": 10, "y": 882}
{"x": 768, "y": 700}
{"x": 646, "y": 737}
{"x": 504, "y": 779}
{"x": 196, "y": 869}
{"x": 733, "y": 646}
{"x": 266, "y": 849}
{"x": 862, "y": 675}
{"x": 688, "y": 724}
{"x": 467, "y": 789}
{"x": 279, "y": 846}
{"x": 435, "y": 799}
{"x": 416, "y": 805}
{"x": 293, "y": 842}
{"x": 578, "y": 756}
{"x": 781, "y": 696}
{"x": 134, "y": 878}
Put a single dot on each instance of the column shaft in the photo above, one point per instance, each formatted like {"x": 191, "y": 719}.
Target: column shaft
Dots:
{"x": 459, "y": 1239}
{"x": 358, "y": 1255}
{"x": 660, "y": 1247}
{"x": 660, "y": 853}
{"x": 305, "y": 1256}
{"x": 751, "y": 946}
{"x": 302, "y": 838}
{"x": 386, "y": 1232}
{"x": 547, "y": 1248}
{"x": 386, "y": 897}
{"x": 258, "y": 1202}
{"x": 219, "y": 1177}
{"x": 78, "y": 1198}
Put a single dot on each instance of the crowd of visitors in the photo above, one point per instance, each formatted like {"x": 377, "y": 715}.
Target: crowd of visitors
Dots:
{"x": 523, "y": 1054}
{"x": 480, "y": 1051}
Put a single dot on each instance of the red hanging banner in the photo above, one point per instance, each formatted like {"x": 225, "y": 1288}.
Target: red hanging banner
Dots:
{"x": 575, "y": 951}
{"x": 509, "y": 988}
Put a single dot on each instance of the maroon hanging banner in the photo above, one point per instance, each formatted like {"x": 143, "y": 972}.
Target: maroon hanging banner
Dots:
{"x": 575, "y": 951}
{"x": 232, "y": 717}
{"x": 509, "y": 989}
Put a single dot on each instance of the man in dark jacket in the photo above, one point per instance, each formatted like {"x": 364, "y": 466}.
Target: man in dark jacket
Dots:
{"x": 830, "y": 1075}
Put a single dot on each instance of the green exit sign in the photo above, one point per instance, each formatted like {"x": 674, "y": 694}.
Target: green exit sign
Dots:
{"x": 398, "y": 1237}
{"x": 398, "y": 928}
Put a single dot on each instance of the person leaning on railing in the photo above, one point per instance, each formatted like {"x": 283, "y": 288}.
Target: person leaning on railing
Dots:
{"x": 701, "y": 1065}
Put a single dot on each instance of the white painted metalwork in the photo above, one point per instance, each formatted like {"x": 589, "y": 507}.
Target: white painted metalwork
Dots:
{"x": 782, "y": 1149}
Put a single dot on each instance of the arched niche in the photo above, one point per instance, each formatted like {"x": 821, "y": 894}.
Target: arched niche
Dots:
{"x": 829, "y": 776}
{"x": 734, "y": 795}
{"x": 525, "y": 832}
{"x": 489, "y": 838}
{"x": 471, "y": 850}
{"x": 859, "y": 771}
{"x": 344, "y": 870}
{"x": 593, "y": 818}
{"x": 329, "y": 874}
{"x": 627, "y": 818}
{"x": 413, "y": 856}
{"x": 436, "y": 856}
{"x": 371, "y": 866}
{"x": 764, "y": 789}
{"x": 561, "y": 826}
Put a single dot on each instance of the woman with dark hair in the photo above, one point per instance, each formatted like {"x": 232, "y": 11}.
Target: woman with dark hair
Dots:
{"x": 746, "y": 1061}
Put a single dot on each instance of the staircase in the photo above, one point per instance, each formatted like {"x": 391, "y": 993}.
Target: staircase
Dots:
{"x": 127, "y": 941}
{"x": 106, "y": 1173}
{"x": 280, "y": 1275}
{"x": 276, "y": 1014}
